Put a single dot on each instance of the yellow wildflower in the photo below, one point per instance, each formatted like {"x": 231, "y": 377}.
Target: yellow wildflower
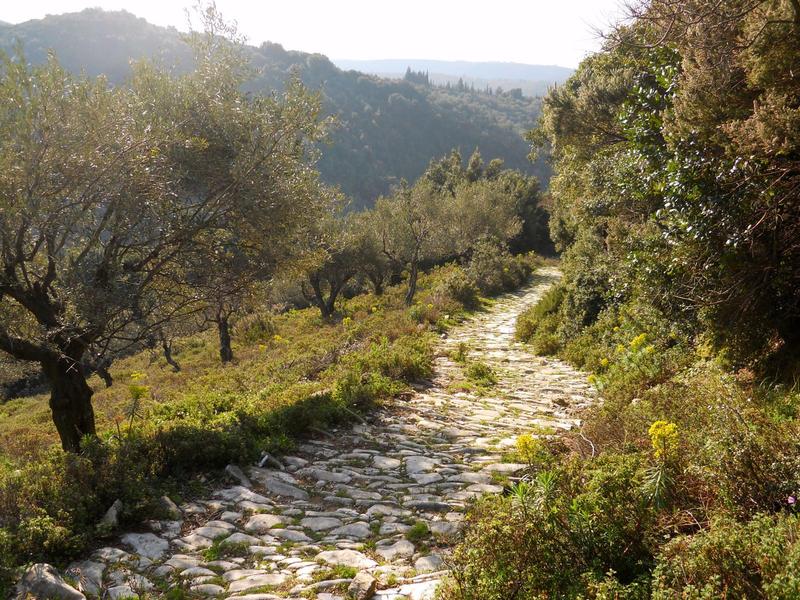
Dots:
{"x": 663, "y": 437}
{"x": 638, "y": 341}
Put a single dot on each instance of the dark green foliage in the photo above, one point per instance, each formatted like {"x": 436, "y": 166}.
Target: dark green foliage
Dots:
{"x": 459, "y": 286}
{"x": 757, "y": 559}
{"x": 493, "y": 269}
{"x": 558, "y": 535}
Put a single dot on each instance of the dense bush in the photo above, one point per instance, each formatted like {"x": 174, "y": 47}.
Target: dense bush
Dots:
{"x": 757, "y": 559}
{"x": 459, "y": 286}
{"x": 716, "y": 471}
{"x": 493, "y": 269}
{"x": 558, "y": 535}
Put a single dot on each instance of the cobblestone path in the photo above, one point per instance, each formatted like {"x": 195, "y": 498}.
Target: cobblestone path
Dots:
{"x": 384, "y": 499}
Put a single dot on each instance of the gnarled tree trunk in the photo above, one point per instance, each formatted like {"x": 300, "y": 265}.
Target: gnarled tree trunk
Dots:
{"x": 413, "y": 275}
{"x": 70, "y": 401}
{"x": 225, "y": 350}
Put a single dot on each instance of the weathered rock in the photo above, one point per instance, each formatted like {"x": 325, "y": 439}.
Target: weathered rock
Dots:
{"x": 89, "y": 575}
{"x": 273, "y": 483}
{"x": 429, "y": 563}
{"x": 43, "y": 581}
{"x": 419, "y": 464}
{"x": 320, "y": 523}
{"x": 363, "y": 586}
{"x": 209, "y": 590}
{"x": 357, "y": 531}
{"x": 121, "y": 592}
{"x": 386, "y": 463}
{"x": 236, "y": 473}
{"x": 401, "y": 548}
{"x": 110, "y": 520}
{"x": 241, "y": 538}
{"x": 257, "y": 581}
{"x": 261, "y": 523}
{"x": 290, "y": 535}
{"x": 169, "y": 508}
{"x": 347, "y": 558}
{"x": 146, "y": 544}
{"x": 239, "y": 493}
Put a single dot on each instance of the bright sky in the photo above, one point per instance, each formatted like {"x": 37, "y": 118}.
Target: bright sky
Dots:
{"x": 527, "y": 31}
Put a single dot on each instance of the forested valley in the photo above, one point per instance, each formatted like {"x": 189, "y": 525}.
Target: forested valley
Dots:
{"x": 261, "y": 337}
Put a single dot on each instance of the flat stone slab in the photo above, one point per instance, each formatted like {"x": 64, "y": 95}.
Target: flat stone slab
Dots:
{"x": 148, "y": 545}
{"x": 347, "y": 558}
{"x": 262, "y": 523}
{"x": 257, "y": 581}
{"x": 320, "y": 523}
{"x": 419, "y": 464}
{"x": 401, "y": 548}
{"x": 356, "y": 531}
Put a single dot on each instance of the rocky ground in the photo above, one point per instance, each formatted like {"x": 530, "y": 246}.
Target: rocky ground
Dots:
{"x": 373, "y": 508}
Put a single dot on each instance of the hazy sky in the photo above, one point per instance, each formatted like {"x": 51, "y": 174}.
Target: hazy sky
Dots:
{"x": 529, "y": 31}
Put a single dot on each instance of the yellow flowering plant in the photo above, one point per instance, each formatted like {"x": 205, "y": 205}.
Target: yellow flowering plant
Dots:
{"x": 663, "y": 438}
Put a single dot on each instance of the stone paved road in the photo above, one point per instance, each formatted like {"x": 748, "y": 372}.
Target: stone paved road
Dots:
{"x": 351, "y": 500}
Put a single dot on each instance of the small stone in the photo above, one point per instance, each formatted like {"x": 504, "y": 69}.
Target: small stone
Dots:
{"x": 237, "y": 474}
{"x": 146, "y": 544}
{"x": 320, "y": 523}
{"x": 43, "y": 581}
{"x": 110, "y": 520}
{"x": 262, "y": 523}
{"x": 169, "y": 508}
{"x": 362, "y": 587}
{"x": 429, "y": 563}
{"x": 401, "y": 548}
{"x": 348, "y": 558}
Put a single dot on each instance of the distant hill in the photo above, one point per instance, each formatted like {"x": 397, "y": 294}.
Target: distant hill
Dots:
{"x": 533, "y": 80}
{"x": 389, "y": 129}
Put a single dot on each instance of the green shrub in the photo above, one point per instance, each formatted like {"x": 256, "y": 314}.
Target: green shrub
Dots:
{"x": 558, "y": 536}
{"x": 531, "y": 320}
{"x": 417, "y": 532}
{"x": 757, "y": 559}
{"x": 255, "y": 328}
{"x": 480, "y": 374}
{"x": 493, "y": 269}
{"x": 458, "y": 286}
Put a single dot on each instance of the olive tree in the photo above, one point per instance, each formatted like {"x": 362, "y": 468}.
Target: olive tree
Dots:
{"x": 331, "y": 260}
{"x": 370, "y": 258}
{"x": 103, "y": 190}
{"x": 410, "y": 227}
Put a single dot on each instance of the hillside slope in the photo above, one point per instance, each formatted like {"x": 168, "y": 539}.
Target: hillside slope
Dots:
{"x": 387, "y": 130}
